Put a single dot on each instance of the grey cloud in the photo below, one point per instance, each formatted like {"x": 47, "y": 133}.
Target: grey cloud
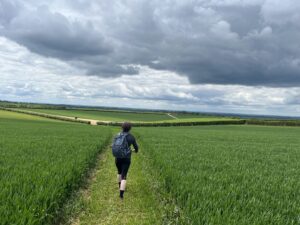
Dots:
{"x": 243, "y": 19}
{"x": 216, "y": 42}
{"x": 110, "y": 70}
{"x": 51, "y": 34}
{"x": 8, "y": 10}
{"x": 281, "y": 12}
{"x": 293, "y": 98}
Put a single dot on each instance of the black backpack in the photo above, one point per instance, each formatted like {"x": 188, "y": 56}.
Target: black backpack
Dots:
{"x": 120, "y": 148}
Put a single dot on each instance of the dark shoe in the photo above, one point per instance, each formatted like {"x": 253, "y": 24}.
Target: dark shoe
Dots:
{"x": 121, "y": 194}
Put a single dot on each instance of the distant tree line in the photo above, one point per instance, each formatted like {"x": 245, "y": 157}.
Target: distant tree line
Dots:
{"x": 273, "y": 122}
{"x": 8, "y": 104}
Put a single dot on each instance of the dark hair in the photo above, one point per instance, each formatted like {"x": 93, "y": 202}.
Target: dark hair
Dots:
{"x": 126, "y": 126}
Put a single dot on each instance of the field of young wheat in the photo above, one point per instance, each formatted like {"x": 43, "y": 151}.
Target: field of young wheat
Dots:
{"x": 104, "y": 115}
{"x": 229, "y": 174}
{"x": 41, "y": 163}
{"x": 234, "y": 174}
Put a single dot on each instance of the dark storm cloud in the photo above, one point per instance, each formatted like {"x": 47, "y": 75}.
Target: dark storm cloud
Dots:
{"x": 52, "y": 34}
{"x": 242, "y": 19}
{"x": 250, "y": 42}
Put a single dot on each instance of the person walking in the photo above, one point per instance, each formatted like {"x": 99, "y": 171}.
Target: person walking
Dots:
{"x": 121, "y": 149}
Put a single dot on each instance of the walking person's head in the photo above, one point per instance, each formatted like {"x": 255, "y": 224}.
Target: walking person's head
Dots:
{"x": 126, "y": 127}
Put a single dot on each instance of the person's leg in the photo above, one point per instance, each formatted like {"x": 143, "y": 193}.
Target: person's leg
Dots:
{"x": 125, "y": 168}
{"x": 119, "y": 178}
{"x": 119, "y": 167}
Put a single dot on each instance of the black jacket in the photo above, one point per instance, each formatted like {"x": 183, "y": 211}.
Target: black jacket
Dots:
{"x": 131, "y": 141}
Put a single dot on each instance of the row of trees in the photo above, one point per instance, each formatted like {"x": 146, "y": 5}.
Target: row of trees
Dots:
{"x": 273, "y": 122}
{"x": 7, "y": 104}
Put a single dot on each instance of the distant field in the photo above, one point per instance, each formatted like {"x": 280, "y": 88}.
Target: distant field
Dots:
{"x": 208, "y": 118}
{"x": 228, "y": 174}
{"x": 192, "y": 115}
{"x": 6, "y": 115}
{"x": 120, "y": 116}
{"x": 107, "y": 115}
{"x": 41, "y": 162}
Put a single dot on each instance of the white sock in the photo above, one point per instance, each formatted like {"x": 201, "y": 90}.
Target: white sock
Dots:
{"x": 123, "y": 185}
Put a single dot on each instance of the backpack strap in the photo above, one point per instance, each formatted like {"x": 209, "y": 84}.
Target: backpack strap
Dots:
{"x": 125, "y": 134}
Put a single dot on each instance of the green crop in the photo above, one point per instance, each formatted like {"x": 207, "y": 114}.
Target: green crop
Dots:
{"x": 106, "y": 115}
{"x": 229, "y": 174}
{"x": 115, "y": 118}
{"x": 216, "y": 174}
{"x": 41, "y": 162}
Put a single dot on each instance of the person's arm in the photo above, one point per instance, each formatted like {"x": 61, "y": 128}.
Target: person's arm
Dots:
{"x": 133, "y": 142}
{"x": 135, "y": 145}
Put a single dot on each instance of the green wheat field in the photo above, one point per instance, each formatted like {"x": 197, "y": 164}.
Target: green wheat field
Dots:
{"x": 218, "y": 174}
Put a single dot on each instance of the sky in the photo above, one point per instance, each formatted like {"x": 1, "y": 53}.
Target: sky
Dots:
{"x": 230, "y": 56}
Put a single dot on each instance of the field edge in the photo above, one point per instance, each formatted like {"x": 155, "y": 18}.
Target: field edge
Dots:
{"x": 75, "y": 204}
{"x": 172, "y": 213}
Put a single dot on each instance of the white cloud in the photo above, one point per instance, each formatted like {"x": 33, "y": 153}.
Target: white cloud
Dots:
{"x": 222, "y": 29}
{"x": 171, "y": 44}
{"x": 29, "y": 77}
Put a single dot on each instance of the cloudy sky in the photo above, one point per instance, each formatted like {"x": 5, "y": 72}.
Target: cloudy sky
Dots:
{"x": 240, "y": 56}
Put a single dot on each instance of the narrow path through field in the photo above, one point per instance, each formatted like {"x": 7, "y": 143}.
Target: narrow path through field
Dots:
{"x": 170, "y": 115}
{"x": 103, "y": 205}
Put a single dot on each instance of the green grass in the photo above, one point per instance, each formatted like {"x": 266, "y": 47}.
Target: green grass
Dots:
{"x": 118, "y": 116}
{"x": 229, "y": 174}
{"x": 101, "y": 202}
{"x": 42, "y": 162}
{"x": 214, "y": 174}
{"x": 7, "y": 115}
